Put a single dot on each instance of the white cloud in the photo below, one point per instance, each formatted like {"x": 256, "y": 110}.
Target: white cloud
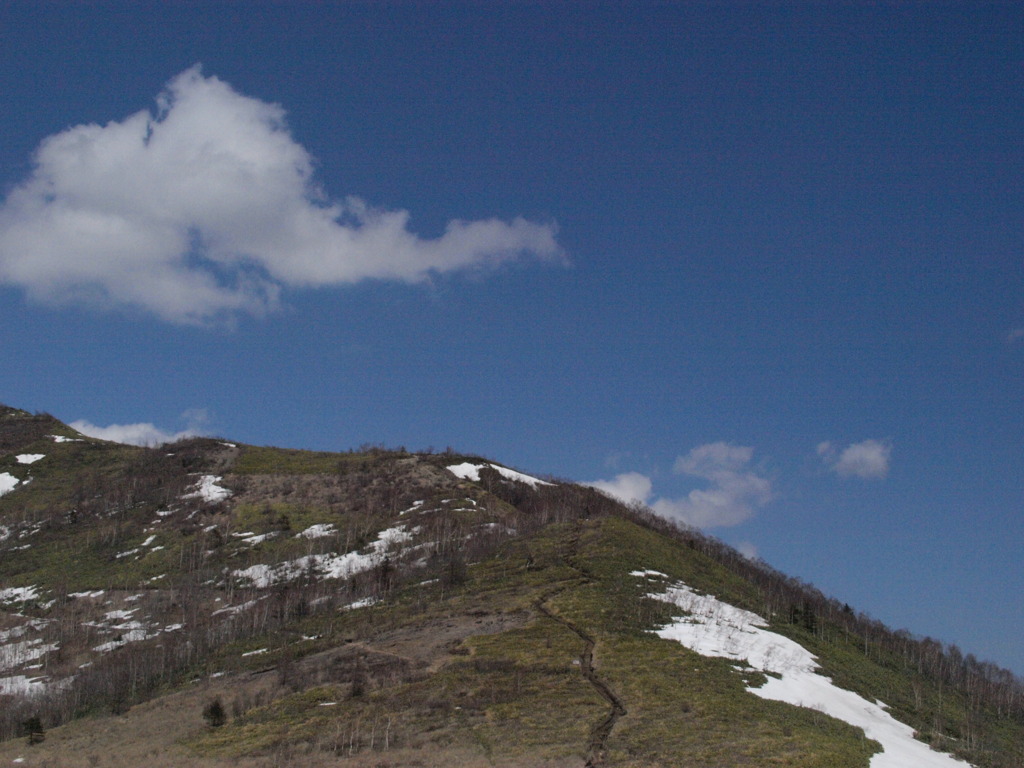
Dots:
{"x": 748, "y": 550}
{"x": 714, "y": 460}
{"x": 629, "y": 488}
{"x": 734, "y": 494}
{"x": 868, "y": 459}
{"x": 130, "y": 434}
{"x": 143, "y": 433}
{"x": 208, "y": 208}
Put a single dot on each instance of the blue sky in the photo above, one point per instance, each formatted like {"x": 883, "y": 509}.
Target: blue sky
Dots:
{"x": 757, "y": 265}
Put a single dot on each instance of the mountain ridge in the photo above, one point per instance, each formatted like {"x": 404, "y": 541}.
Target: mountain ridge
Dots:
{"x": 417, "y": 580}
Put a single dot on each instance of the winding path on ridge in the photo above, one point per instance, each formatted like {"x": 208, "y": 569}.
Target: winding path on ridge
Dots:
{"x": 602, "y": 729}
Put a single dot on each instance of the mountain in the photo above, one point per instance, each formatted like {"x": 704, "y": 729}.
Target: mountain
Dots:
{"x": 208, "y": 603}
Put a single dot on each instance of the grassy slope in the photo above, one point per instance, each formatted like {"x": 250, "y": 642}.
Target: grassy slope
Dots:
{"x": 514, "y": 696}
{"x": 469, "y": 671}
{"x": 517, "y": 697}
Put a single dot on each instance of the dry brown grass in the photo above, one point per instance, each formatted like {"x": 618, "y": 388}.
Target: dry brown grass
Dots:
{"x": 152, "y": 735}
{"x": 146, "y": 735}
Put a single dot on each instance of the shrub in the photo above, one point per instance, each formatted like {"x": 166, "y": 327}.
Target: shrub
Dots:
{"x": 33, "y": 729}
{"x": 214, "y": 714}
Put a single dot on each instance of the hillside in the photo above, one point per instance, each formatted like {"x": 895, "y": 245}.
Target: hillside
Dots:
{"x": 209, "y": 603}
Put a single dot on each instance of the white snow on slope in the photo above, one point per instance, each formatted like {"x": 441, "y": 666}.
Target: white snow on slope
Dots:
{"x": 29, "y": 458}
{"x": 469, "y": 471}
{"x": 648, "y": 572}
{"x": 208, "y": 490}
{"x": 233, "y": 609}
{"x": 714, "y": 628}
{"x": 252, "y": 539}
{"x": 134, "y": 635}
{"x": 8, "y": 482}
{"x": 23, "y": 686}
{"x": 119, "y": 615}
{"x": 18, "y": 594}
{"x": 415, "y": 506}
{"x": 366, "y": 602}
{"x": 14, "y": 655}
{"x": 329, "y": 565}
{"x": 318, "y": 531}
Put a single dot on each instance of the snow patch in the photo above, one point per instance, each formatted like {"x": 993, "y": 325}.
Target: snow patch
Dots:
{"x": 366, "y": 602}
{"x": 19, "y": 685}
{"x": 119, "y": 615}
{"x": 18, "y": 594}
{"x": 714, "y": 628}
{"x": 8, "y": 482}
{"x": 415, "y": 505}
{"x": 208, "y": 490}
{"x": 649, "y": 574}
{"x": 252, "y": 539}
{"x": 318, "y": 531}
{"x": 233, "y": 609}
{"x": 329, "y": 565}
{"x": 467, "y": 471}
{"x": 29, "y": 458}
{"x": 14, "y": 655}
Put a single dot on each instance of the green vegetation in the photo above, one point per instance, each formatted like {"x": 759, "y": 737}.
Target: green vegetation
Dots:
{"x": 283, "y": 461}
{"x": 507, "y": 629}
{"x": 520, "y": 694}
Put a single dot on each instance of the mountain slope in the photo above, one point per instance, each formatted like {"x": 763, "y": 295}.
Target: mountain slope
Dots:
{"x": 384, "y": 608}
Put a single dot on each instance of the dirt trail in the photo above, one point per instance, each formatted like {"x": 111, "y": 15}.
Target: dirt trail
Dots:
{"x": 602, "y": 729}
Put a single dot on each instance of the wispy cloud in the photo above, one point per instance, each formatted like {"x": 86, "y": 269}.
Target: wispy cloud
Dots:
{"x": 868, "y": 459}
{"x": 735, "y": 492}
{"x": 1015, "y": 334}
{"x": 629, "y": 487}
{"x": 207, "y": 208}
{"x": 733, "y": 495}
{"x": 144, "y": 433}
{"x": 748, "y": 550}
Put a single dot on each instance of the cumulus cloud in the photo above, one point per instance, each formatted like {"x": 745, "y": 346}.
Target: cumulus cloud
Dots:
{"x": 735, "y": 491}
{"x": 868, "y": 459}
{"x": 733, "y": 495}
{"x": 143, "y": 433}
{"x": 629, "y": 488}
{"x": 748, "y": 550}
{"x": 207, "y": 208}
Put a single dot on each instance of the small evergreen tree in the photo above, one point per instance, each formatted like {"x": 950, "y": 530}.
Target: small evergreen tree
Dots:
{"x": 214, "y": 714}
{"x": 33, "y": 729}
